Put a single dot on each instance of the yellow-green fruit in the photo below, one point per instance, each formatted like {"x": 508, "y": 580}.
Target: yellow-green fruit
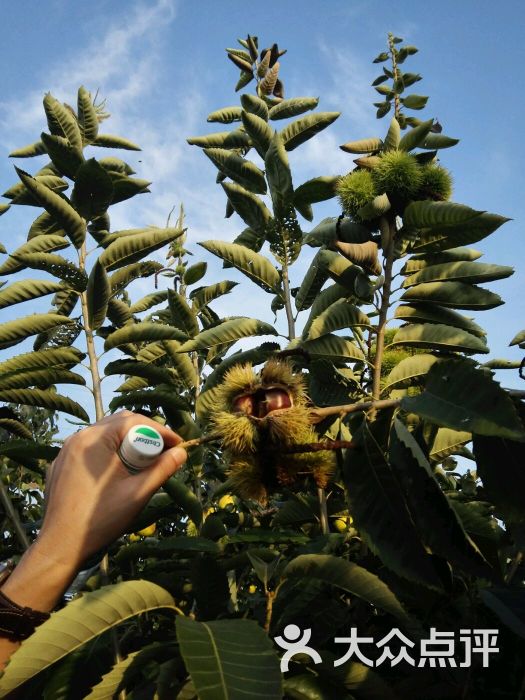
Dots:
{"x": 226, "y": 501}
{"x": 342, "y": 523}
{"x": 134, "y": 538}
{"x": 398, "y": 174}
{"x": 354, "y": 191}
{"x": 147, "y": 531}
{"x": 252, "y": 589}
{"x": 436, "y": 183}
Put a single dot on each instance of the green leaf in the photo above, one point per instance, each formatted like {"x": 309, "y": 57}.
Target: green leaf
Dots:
{"x": 332, "y": 229}
{"x": 27, "y": 449}
{"x": 109, "y": 141}
{"x": 518, "y": 339}
{"x": 313, "y": 281}
{"x": 228, "y": 332}
{"x": 319, "y": 189}
{"x": 229, "y": 659}
{"x": 64, "y": 156}
{"x": 87, "y": 115}
{"x": 221, "y": 139}
{"x": 25, "y": 290}
{"x": 292, "y": 107}
{"x": 427, "y": 214}
{"x": 107, "y": 687}
{"x": 471, "y": 272}
{"x": 422, "y": 260}
{"x": 258, "y": 130}
{"x": 242, "y": 171}
{"x": 79, "y": 622}
{"x": 436, "y": 141}
{"x": 438, "y": 336}
{"x": 332, "y": 347}
{"x": 448, "y": 442}
{"x": 182, "y": 316}
{"x": 340, "y": 314}
{"x": 393, "y": 136}
{"x": 350, "y": 577}
{"x": 226, "y": 115}
{"x": 302, "y": 130}
{"x": 57, "y": 266}
{"x": 33, "y": 149}
{"x": 250, "y": 208}
{"x": 378, "y": 504}
{"x": 184, "y": 497}
{"x": 128, "y": 249}
{"x": 363, "y": 145}
{"x": 58, "y": 115}
{"x": 21, "y": 328}
{"x": 45, "y": 224}
{"x": 279, "y": 176}
{"x": 58, "y": 207}
{"x": 432, "y": 313}
{"x": 194, "y": 273}
{"x": 154, "y": 375}
{"x": 97, "y": 295}
{"x": 148, "y": 301}
{"x": 454, "y": 295}
{"x": 255, "y": 105}
{"x": 202, "y": 296}
{"x": 144, "y": 331}
{"x": 125, "y": 187}
{"x": 161, "y": 396}
{"x": 41, "y": 378}
{"x": 438, "y": 524}
{"x": 19, "y": 194}
{"x": 416, "y": 136}
{"x": 120, "y": 279}
{"x": 409, "y": 372}
{"x": 254, "y": 265}
{"x": 458, "y": 395}
{"x": 44, "y": 399}
{"x": 93, "y": 191}
{"x": 464, "y": 234}
{"x": 414, "y": 101}
{"x": 52, "y": 357}
{"x": 322, "y": 301}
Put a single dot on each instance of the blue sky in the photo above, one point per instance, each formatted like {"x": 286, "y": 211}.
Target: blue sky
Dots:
{"x": 162, "y": 67}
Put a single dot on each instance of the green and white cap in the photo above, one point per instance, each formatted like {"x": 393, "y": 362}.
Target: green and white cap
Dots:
{"x": 140, "y": 448}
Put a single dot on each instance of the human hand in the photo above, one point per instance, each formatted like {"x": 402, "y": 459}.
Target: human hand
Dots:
{"x": 90, "y": 496}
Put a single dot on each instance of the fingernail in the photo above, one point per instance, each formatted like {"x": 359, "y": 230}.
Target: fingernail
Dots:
{"x": 179, "y": 455}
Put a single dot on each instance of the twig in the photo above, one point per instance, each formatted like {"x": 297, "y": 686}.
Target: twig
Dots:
{"x": 323, "y": 511}
{"x": 319, "y": 446}
{"x": 318, "y": 414}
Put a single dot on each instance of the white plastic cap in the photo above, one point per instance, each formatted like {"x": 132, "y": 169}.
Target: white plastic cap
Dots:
{"x": 140, "y": 448}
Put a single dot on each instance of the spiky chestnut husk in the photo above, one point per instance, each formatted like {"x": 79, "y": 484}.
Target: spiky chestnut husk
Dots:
{"x": 354, "y": 190}
{"x": 398, "y": 175}
{"x": 436, "y": 183}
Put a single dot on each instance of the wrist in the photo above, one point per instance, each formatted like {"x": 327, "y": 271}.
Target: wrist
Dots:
{"x": 38, "y": 580}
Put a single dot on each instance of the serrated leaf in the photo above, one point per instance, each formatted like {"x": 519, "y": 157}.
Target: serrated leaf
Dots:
{"x": 97, "y": 295}
{"x": 107, "y": 687}
{"x": 33, "y": 149}
{"x": 45, "y": 224}
{"x": 332, "y": 347}
{"x": 93, "y": 191}
{"x": 322, "y": 301}
{"x": 393, "y": 137}
{"x": 421, "y": 260}
{"x": 87, "y": 115}
{"x": 155, "y": 375}
{"x": 57, "y": 266}
{"x": 19, "y": 194}
{"x": 148, "y": 301}
{"x": 461, "y": 397}
{"x": 341, "y": 314}
{"x": 318, "y": 189}
{"x": 194, "y": 273}
{"x": 279, "y": 176}
{"x": 226, "y": 115}
{"x": 432, "y": 313}
{"x": 58, "y": 114}
{"x": 518, "y": 339}
{"x": 44, "y": 399}
{"x": 221, "y": 139}
{"x": 110, "y": 141}
{"x": 23, "y": 450}
{"x": 161, "y": 396}
{"x": 204, "y": 295}
{"x": 250, "y": 208}
{"x": 129, "y": 249}
{"x": 409, "y": 371}
{"x": 302, "y": 130}
{"x": 416, "y": 136}
{"x": 79, "y": 622}
{"x": 142, "y": 332}
{"x": 414, "y": 101}
{"x": 64, "y": 156}
{"x": 25, "y": 290}
{"x": 292, "y": 107}
{"x": 255, "y": 105}
{"x": 41, "y": 378}
{"x": 463, "y": 234}
{"x": 182, "y": 316}
{"x": 254, "y": 265}
{"x": 120, "y": 279}
{"x": 363, "y": 145}
{"x": 438, "y": 336}
{"x": 436, "y": 141}
{"x": 58, "y": 207}
{"x": 21, "y": 328}
{"x": 448, "y": 442}
{"x": 65, "y": 357}
{"x": 454, "y": 295}
{"x": 258, "y": 130}
{"x": 470, "y": 272}
{"x": 427, "y": 214}
{"x": 228, "y": 332}
{"x": 242, "y": 171}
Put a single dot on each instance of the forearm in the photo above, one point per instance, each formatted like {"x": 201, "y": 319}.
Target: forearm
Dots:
{"x": 37, "y": 582}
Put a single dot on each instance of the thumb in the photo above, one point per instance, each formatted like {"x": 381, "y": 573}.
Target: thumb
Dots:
{"x": 151, "y": 479}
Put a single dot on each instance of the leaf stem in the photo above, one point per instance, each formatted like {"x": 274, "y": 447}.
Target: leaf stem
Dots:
{"x": 323, "y": 510}
{"x": 383, "y": 312}
{"x": 395, "y": 71}
{"x": 288, "y": 302}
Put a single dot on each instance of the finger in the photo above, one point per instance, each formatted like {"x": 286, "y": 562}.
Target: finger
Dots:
{"x": 151, "y": 479}
{"x": 116, "y": 428}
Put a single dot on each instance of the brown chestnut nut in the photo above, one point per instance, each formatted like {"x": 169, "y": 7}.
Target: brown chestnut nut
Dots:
{"x": 274, "y": 400}
{"x": 244, "y": 404}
